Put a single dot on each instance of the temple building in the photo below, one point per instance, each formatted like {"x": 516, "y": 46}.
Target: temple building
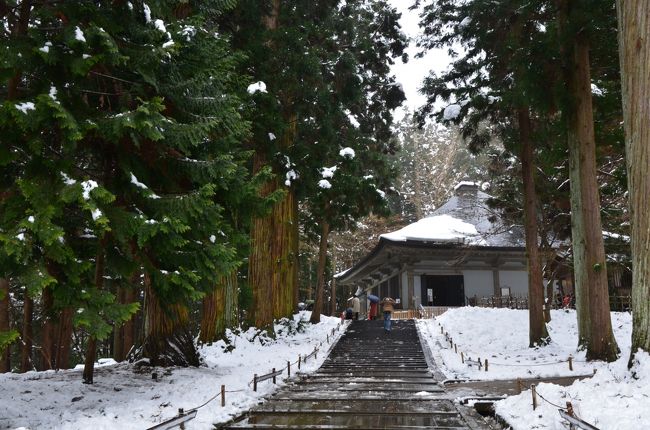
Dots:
{"x": 460, "y": 252}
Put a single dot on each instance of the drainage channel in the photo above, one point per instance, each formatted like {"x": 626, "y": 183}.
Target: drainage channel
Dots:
{"x": 371, "y": 380}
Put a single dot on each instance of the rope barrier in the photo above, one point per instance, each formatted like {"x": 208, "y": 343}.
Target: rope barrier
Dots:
{"x": 530, "y": 387}
{"x": 185, "y": 415}
{"x": 454, "y": 346}
{"x": 211, "y": 399}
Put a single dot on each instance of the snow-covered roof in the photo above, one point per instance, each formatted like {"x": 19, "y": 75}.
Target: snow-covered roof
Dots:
{"x": 464, "y": 222}
{"x": 464, "y": 218}
{"x": 439, "y": 228}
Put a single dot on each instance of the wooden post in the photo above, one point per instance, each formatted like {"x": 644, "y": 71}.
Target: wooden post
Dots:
{"x": 255, "y": 382}
{"x": 328, "y": 338}
{"x": 441, "y": 330}
{"x": 518, "y": 385}
{"x": 534, "y": 393}
{"x": 571, "y": 362}
{"x": 462, "y": 357}
{"x": 486, "y": 365}
{"x": 273, "y": 375}
{"x": 451, "y": 343}
{"x": 181, "y": 412}
{"x": 315, "y": 353}
{"x": 299, "y": 358}
{"x": 223, "y": 396}
{"x": 480, "y": 363}
{"x": 456, "y": 348}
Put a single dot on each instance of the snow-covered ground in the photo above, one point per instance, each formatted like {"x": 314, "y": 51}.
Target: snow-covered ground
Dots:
{"x": 127, "y": 398}
{"x": 612, "y": 399}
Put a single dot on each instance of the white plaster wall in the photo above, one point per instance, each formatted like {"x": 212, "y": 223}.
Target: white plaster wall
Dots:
{"x": 517, "y": 280}
{"x": 417, "y": 290}
{"x": 478, "y": 282}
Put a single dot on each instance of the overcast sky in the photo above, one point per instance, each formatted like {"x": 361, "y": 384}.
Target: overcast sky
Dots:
{"x": 411, "y": 74}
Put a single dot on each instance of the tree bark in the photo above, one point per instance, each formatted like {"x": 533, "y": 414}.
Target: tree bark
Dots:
{"x": 91, "y": 348}
{"x": 284, "y": 252}
{"x": 548, "y": 303}
{"x": 129, "y": 328}
{"x": 261, "y": 261}
{"x": 332, "y": 312}
{"x": 537, "y": 334}
{"x": 273, "y": 268}
{"x": 219, "y": 309}
{"x": 167, "y": 339}
{"x": 417, "y": 185}
{"x": 590, "y": 271}
{"x": 5, "y": 355}
{"x": 49, "y": 329}
{"x": 118, "y": 330}
{"x": 27, "y": 335}
{"x": 320, "y": 283}
{"x": 634, "y": 39}
{"x": 64, "y": 339}
{"x": 89, "y": 363}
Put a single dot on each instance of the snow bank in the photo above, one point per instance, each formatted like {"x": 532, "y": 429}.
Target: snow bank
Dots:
{"x": 501, "y": 336}
{"x": 126, "y": 397}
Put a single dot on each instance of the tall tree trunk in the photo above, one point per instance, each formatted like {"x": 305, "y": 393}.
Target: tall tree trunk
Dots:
{"x": 89, "y": 362}
{"x": 5, "y": 355}
{"x": 48, "y": 350}
{"x": 131, "y": 295}
{"x": 548, "y": 304}
{"x": 634, "y": 39}
{"x": 219, "y": 309}
{"x": 320, "y": 283}
{"x": 64, "y": 339}
{"x": 261, "y": 262}
{"x": 590, "y": 271}
{"x": 285, "y": 253}
{"x": 537, "y": 334}
{"x": 27, "y": 335}
{"x": 332, "y": 312}
{"x": 91, "y": 348}
{"x": 167, "y": 339}
{"x": 118, "y": 329}
{"x": 417, "y": 178}
{"x": 273, "y": 265}
{"x": 274, "y": 238}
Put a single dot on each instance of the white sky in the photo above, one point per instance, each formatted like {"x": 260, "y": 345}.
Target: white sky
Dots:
{"x": 411, "y": 74}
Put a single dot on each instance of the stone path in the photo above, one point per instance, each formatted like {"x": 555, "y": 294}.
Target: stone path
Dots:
{"x": 371, "y": 380}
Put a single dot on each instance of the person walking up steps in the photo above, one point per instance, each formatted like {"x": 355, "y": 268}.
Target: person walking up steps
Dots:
{"x": 388, "y": 308}
{"x": 356, "y": 307}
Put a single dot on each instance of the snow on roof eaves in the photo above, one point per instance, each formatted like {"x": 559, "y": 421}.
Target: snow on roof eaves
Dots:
{"x": 466, "y": 183}
{"x": 464, "y": 219}
{"x": 441, "y": 228}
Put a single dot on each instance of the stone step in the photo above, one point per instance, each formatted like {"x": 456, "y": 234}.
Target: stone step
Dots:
{"x": 347, "y": 407}
{"x": 375, "y": 420}
{"x": 357, "y": 395}
{"x": 362, "y": 379}
{"x": 364, "y": 386}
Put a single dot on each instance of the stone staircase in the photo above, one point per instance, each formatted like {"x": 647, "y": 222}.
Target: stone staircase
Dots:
{"x": 371, "y": 380}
